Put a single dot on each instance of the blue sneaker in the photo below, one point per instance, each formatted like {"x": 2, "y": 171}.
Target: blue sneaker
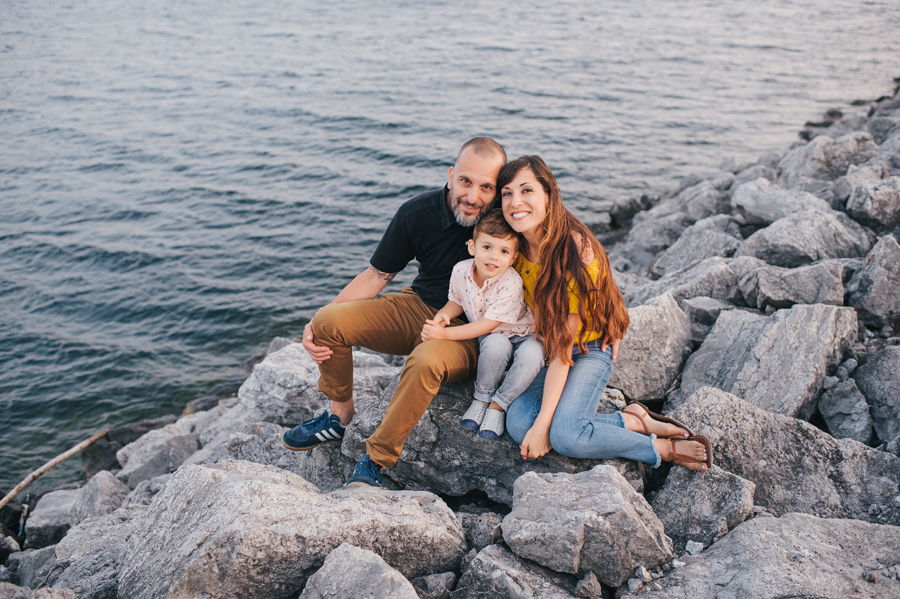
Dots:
{"x": 366, "y": 474}
{"x": 325, "y": 427}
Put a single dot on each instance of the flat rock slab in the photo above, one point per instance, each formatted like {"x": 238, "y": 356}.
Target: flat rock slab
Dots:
{"x": 238, "y": 529}
{"x": 441, "y": 456}
{"x": 808, "y": 236}
{"x": 713, "y": 277}
{"x": 702, "y": 506}
{"x": 349, "y": 571}
{"x": 587, "y": 522}
{"x": 795, "y": 556}
{"x": 796, "y": 467}
{"x": 498, "y": 574}
{"x": 776, "y": 362}
{"x": 655, "y": 347}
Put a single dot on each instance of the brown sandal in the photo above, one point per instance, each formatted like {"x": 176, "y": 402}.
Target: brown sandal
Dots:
{"x": 647, "y": 413}
{"x": 688, "y": 461}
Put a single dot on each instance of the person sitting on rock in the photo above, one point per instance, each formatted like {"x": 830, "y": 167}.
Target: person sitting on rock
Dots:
{"x": 580, "y": 318}
{"x": 490, "y": 294}
{"x": 432, "y": 228}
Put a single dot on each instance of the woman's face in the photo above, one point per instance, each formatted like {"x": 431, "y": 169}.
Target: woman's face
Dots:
{"x": 524, "y": 202}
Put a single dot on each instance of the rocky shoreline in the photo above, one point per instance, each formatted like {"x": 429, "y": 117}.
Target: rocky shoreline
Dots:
{"x": 765, "y": 308}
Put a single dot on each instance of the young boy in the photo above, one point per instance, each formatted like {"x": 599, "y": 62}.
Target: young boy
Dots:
{"x": 490, "y": 293}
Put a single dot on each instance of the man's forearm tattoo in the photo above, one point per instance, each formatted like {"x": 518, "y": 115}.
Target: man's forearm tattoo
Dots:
{"x": 387, "y": 277}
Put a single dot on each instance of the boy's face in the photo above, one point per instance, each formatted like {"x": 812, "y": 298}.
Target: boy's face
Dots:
{"x": 493, "y": 255}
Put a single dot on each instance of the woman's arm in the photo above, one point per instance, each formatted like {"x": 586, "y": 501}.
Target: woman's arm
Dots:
{"x": 537, "y": 440}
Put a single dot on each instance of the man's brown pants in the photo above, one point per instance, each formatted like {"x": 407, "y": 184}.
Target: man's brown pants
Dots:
{"x": 391, "y": 324}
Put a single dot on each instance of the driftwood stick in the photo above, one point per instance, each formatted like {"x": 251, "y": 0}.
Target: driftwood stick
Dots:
{"x": 63, "y": 456}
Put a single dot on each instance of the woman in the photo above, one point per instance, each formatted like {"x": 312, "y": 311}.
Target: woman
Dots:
{"x": 580, "y": 318}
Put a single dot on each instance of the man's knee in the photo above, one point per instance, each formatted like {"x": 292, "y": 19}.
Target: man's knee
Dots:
{"x": 442, "y": 360}
{"x": 325, "y": 325}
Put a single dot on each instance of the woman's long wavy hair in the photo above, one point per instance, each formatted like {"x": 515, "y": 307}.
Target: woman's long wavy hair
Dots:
{"x": 564, "y": 241}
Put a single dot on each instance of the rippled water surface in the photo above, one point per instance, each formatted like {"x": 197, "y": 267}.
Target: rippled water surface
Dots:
{"x": 182, "y": 181}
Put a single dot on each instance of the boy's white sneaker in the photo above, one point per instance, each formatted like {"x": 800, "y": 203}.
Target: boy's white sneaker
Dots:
{"x": 471, "y": 420}
{"x": 492, "y": 426}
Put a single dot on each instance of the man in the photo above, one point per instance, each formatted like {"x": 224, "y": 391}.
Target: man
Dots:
{"x": 432, "y": 228}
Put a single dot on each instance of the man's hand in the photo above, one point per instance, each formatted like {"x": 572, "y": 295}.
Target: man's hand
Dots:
{"x": 318, "y": 353}
{"x": 434, "y": 329}
{"x": 536, "y": 443}
{"x": 615, "y": 346}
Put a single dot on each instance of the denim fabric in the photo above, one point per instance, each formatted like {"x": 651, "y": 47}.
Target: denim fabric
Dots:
{"x": 527, "y": 355}
{"x": 577, "y": 430}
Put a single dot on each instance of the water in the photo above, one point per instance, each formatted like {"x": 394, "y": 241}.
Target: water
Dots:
{"x": 182, "y": 181}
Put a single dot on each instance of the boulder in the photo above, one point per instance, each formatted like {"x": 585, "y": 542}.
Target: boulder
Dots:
{"x": 713, "y": 236}
{"x": 243, "y": 529}
{"x": 146, "y": 490}
{"x": 777, "y": 362}
{"x": 713, "y": 277}
{"x": 588, "y": 522}
{"x": 846, "y": 412}
{"x": 327, "y": 468}
{"x": 795, "y": 556}
{"x": 827, "y": 158}
{"x": 435, "y": 586}
{"x": 51, "y": 518}
{"x": 881, "y": 127}
{"x": 702, "y": 506}
{"x": 876, "y": 203}
{"x": 498, "y": 574}
{"x": 702, "y": 312}
{"x": 11, "y": 591}
{"x": 441, "y": 456}
{"x": 702, "y": 200}
{"x": 349, "y": 571}
{"x": 807, "y": 236}
{"x": 32, "y": 567}
{"x": 879, "y": 381}
{"x": 761, "y": 203}
{"x": 649, "y": 235}
{"x": 820, "y": 283}
{"x": 655, "y": 347}
{"x": 856, "y": 175}
{"x": 89, "y": 557}
{"x": 101, "y": 495}
{"x": 101, "y": 455}
{"x": 160, "y": 451}
{"x": 481, "y": 530}
{"x": 753, "y": 172}
{"x": 874, "y": 289}
{"x": 796, "y": 467}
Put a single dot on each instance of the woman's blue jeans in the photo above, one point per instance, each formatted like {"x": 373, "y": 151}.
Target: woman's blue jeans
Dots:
{"x": 577, "y": 430}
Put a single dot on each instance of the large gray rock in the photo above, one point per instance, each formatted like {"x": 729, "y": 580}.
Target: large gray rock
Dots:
{"x": 655, "y": 347}
{"x": 876, "y": 204}
{"x": 649, "y": 235}
{"x": 481, "y": 529}
{"x": 349, "y": 571}
{"x": 498, "y": 574}
{"x": 327, "y": 468}
{"x": 89, "y": 557}
{"x": 846, "y": 412}
{"x": 713, "y": 277}
{"x": 827, "y": 158}
{"x": 33, "y": 567}
{"x": 101, "y": 495}
{"x": 101, "y": 455}
{"x": 761, "y": 203}
{"x": 702, "y": 312}
{"x": 856, "y": 175}
{"x": 796, "y": 467}
{"x": 441, "y": 456}
{"x": 795, "y": 556}
{"x": 51, "y": 518}
{"x": 243, "y": 529}
{"x": 435, "y": 586}
{"x": 158, "y": 452}
{"x": 144, "y": 493}
{"x": 879, "y": 381}
{"x": 776, "y": 362}
{"x": 587, "y": 522}
{"x": 11, "y": 591}
{"x": 820, "y": 283}
{"x": 808, "y": 236}
{"x": 702, "y": 506}
{"x": 874, "y": 289}
{"x": 713, "y": 236}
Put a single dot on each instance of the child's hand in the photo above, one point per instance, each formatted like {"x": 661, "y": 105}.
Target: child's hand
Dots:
{"x": 441, "y": 319}
{"x": 433, "y": 329}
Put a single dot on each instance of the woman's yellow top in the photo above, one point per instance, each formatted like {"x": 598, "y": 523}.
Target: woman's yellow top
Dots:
{"x": 529, "y": 272}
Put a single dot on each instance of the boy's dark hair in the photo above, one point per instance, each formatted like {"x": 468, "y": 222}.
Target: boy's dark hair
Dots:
{"x": 493, "y": 223}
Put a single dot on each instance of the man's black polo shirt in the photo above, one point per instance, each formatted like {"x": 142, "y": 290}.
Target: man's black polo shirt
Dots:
{"x": 424, "y": 229}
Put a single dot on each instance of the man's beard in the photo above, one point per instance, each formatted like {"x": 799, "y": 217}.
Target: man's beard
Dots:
{"x": 461, "y": 218}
